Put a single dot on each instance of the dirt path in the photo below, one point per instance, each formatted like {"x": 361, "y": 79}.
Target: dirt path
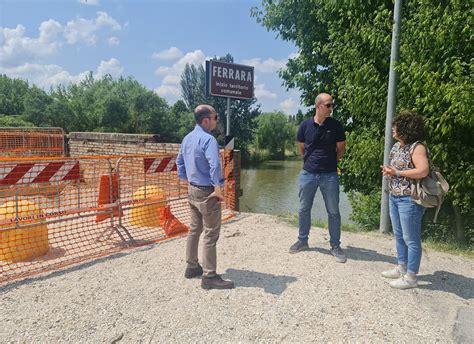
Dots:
{"x": 142, "y": 296}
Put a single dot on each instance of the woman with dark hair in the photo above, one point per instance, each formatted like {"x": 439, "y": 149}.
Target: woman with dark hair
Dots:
{"x": 408, "y": 161}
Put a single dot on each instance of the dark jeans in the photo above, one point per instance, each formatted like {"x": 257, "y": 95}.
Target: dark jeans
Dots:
{"x": 329, "y": 184}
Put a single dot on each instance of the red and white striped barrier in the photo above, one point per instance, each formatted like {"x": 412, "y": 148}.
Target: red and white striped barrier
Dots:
{"x": 41, "y": 172}
{"x": 156, "y": 165}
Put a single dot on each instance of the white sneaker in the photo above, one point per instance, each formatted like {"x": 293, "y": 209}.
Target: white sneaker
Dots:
{"x": 395, "y": 273}
{"x": 404, "y": 283}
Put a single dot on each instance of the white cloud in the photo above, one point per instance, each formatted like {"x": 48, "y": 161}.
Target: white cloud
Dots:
{"x": 171, "y": 93}
{"x": 112, "y": 67}
{"x": 47, "y": 75}
{"x": 103, "y": 19}
{"x": 84, "y": 30}
{"x": 89, "y": 2}
{"x": 17, "y": 49}
{"x": 262, "y": 93}
{"x": 172, "y": 53}
{"x": 269, "y": 65}
{"x": 289, "y": 106}
{"x": 162, "y": 71}
{"x": 169, "y": 88}
{"x": 196, "y": 57}
{"x": 80, "y": 30}
{"x": 43, "y": 75}
{"x": 113, "y": 41}
{"x": 171, "y": 80}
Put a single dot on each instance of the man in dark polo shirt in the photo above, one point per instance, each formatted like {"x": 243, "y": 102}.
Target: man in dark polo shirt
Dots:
{"x": 321, "y": 142}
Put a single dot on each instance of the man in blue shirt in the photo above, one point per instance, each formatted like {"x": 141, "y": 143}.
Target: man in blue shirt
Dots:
{"x": 321, "y": 142}
{"x": 198, "y": 163}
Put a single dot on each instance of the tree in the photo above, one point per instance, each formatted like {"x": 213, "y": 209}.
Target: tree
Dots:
{"x": 344, "y": 49}
{"x": 183, "y": 119}
{"x": 299, "y": 117}
{"x": 14, "y": 121}
{"x": 193, "y": 84}
{"x": 35, "y": 103}
{"x": 274, "y": 134}
{"x": 12, "y": 94}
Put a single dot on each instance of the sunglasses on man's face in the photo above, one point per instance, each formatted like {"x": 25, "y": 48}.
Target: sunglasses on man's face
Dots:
{"x": 329, "y": 105}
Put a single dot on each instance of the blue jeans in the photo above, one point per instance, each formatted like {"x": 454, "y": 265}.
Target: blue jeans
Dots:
{"x": 406, "y": 223}
{"x": 329, "y": 184}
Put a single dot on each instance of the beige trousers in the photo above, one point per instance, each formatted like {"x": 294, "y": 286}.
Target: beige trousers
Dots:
{"x": 206, "y": 216}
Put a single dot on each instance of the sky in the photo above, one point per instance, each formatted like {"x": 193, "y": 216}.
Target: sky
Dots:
{"x": 51, "y": 42}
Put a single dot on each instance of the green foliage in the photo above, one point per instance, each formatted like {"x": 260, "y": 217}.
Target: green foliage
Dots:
{"x": 106, "y": 104}
{"x": 14, "y": 121}
{"x": 344, "y": 49}
{"x": 365, "y": 209}
{"x": 184, "y": 119}
{"x": 12, "y": 93}
{"x": 300, "y": 117}
{"x": 274, "y": 134}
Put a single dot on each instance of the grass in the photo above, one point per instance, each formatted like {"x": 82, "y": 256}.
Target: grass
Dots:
{"x": 448, "y": 247}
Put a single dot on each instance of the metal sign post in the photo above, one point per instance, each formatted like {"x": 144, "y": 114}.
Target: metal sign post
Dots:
{"x": 227, "y": 131}
{"x": 391, "y": 105}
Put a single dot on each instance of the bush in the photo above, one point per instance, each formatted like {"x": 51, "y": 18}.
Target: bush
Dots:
{"x": 365, "y": 210}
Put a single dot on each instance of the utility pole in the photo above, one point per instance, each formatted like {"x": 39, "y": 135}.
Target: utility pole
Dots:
{"x": 391, "y": 106}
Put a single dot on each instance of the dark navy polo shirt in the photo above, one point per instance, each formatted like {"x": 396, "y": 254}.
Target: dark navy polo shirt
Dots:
{"x": 323, "y": 139}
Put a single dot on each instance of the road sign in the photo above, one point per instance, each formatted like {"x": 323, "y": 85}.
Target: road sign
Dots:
{"x": 229, "y": 80}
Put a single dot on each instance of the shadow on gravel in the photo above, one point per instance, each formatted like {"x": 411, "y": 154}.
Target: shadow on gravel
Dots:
{"x": 449, "y": 282}
{"x": 359, "y": 253}
{"x": 272, "y": 284}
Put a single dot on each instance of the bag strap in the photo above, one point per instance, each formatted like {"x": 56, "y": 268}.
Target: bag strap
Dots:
{"x": 428, "y": 154}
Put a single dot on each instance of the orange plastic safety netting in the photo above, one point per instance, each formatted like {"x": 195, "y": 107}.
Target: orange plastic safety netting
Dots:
{"x": 31, "y": 142}
{"x": 55, "y": 212}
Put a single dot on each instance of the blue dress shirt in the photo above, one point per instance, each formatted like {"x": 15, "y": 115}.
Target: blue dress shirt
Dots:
{"x": 198, "y": 159}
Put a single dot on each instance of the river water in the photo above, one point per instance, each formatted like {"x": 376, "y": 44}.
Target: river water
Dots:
{"x": 271, "y": 187}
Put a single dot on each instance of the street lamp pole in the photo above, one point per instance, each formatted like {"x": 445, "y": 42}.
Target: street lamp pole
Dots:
{"x": 391, "y": 106}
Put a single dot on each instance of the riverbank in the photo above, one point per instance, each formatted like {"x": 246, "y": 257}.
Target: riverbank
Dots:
{"x": 142, "y": 296}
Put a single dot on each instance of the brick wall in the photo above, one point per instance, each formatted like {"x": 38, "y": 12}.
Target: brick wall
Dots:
{"x": 83, "y": 143}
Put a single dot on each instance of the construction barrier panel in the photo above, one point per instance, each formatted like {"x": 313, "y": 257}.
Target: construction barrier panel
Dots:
{"x": 56, "y": 212}
{"x": 31, "y": 142}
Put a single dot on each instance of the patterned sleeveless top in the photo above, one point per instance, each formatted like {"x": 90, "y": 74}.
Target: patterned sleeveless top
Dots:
{"x": 400, "y": 158}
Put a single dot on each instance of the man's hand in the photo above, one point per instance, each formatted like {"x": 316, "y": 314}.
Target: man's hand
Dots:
{"x": 217, "y": 193}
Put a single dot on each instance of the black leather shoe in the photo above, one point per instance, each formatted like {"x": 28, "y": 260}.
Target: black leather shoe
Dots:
{"x": 195, "y": 272}
{"x": 216, "y": 282}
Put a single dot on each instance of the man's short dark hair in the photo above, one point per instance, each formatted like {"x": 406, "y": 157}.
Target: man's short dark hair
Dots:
{"x": 409, "y": 126}
{"x": 201, "y": 112}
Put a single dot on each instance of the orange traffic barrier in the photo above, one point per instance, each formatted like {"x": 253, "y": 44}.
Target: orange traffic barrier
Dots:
{"x": 108, "y": 194}
{"x": 170, "y": 224}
